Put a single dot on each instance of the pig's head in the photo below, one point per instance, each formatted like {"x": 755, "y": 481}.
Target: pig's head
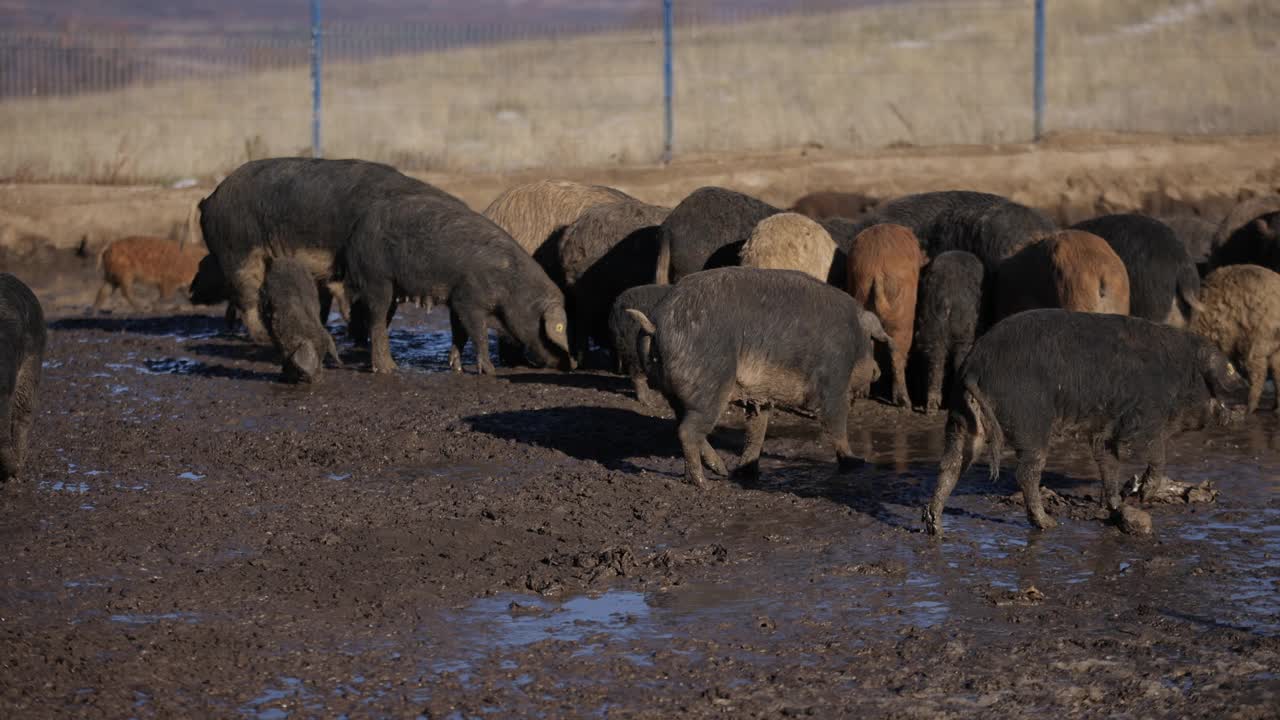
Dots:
{"x": 543, "y": 330}
{"x": 209, "y": 287}
{"x": 1220, "y": 381}
{"x": 302, "y": 363}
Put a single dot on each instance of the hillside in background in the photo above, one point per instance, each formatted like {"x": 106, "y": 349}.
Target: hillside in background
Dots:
{"x": 226, "y": 14}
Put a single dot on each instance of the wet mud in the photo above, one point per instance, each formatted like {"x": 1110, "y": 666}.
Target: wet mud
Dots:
{"x": 194, "y": 538}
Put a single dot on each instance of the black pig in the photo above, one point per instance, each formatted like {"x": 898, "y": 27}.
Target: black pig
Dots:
{"x": 1163, "y": 280}
{"x": 948, "y": 316}
{"x": 436, "y": 251}
{"x": 626, "y": 331}
{"x": 291, "y": 311}
{"x": 758, "y": 337}
{"x": 300, "y": 207}
{"x": 1125, "y": 382}
{"x": 22, "y": 341}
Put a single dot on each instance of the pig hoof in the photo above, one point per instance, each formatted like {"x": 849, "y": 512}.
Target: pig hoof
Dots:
{"x": 1132, "y": 521}
{"x": 485, "y": 369}
{"x": 1044, "y": 522}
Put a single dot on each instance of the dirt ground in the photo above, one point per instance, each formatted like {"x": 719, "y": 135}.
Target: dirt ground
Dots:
{"x": 194, "y": 538}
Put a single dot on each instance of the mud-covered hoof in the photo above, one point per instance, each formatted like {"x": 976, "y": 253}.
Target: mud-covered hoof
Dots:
{"x": 1132, "y": 521}
{"x": 849, "y": 464}
{"x": 1044, "y": 522}
{"x": 932, "y": 523}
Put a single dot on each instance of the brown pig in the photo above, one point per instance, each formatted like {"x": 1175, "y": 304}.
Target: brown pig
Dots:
{"x": 884, "y": 270}
{"x": 150, "y": 260}
{"x": 1070, "y": 269}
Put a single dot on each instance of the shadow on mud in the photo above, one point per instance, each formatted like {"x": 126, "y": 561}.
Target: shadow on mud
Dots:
{"x": 164, "y": 325}
{"x": 582, "y": 380}
{"x": 609, "y": 436}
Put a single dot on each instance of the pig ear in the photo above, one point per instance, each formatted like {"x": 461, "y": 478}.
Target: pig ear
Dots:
{"x": 645, "y": 323}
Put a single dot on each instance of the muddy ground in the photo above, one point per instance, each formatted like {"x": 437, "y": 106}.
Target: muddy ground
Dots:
{"x": 193, "y": 538}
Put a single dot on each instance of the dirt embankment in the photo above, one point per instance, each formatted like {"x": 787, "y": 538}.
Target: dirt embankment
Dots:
{"x": 1071, "y": 176}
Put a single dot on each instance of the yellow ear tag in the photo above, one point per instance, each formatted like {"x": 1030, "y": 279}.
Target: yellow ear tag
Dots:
{"x": 559, "y": 327}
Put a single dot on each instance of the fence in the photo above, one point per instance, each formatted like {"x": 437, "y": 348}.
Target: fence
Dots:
{"x": 160, "y": 106}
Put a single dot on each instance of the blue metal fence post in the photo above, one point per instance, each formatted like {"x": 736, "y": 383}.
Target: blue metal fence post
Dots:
{"x": 668, "y": 82}
{"x": 316, "y": 39}
{"x": 1039, "y": 99}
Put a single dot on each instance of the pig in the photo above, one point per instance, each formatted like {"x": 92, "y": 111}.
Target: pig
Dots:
{"x": 210, "y": 287}
{"x": 626, "y": 332}
{"x": 537, "y": 214}
{"x": 1070, "y": 269}
{"x": 827, "y": 204}
{"x": 437, "y": 251}
{"x": 151, "y": 260}
{"x": 1163, "y": 280}
{"x": 291, "y": 311}
{"x": 1240, "y": 314}
{"x": 1256, "y": 242}
{"x": 1125, "y": 382}
{"x": 1243, "y": 213}
{"x": 300, "y": 207}
{"x": 991, "y": 227}
{"x": 948, "y": 316}
{"x": 1196, "y": 235}
{"x": 707, "y": 230}
{"x": 757, "y": 337}
{"x": 790, "y": 241}
{"x": 22, "y": 343}
{"x": 884, "y": 272}
{"x": 607, "y": 250}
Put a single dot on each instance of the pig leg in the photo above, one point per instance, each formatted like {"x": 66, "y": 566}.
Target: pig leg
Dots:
{"x": 900, "y": 397}
{"x": 1275, "y": 377}
{"x": 22, "y": 409}
{"x": 1106, "y": 454}
{"x": 104, "y": 294}
{"x": 458, "y": 341}
{"x": 937, "y": 364}
{"x": 693, "y": 430}
{"x": 757, "y": 424}
{"x": 833, "y": 417}
{"x": 644, "y": 393}
{"x": 473, "y": 324}
{"x": 1153, "y": 479}
{"x": 377, "y": 299}
{"x": 1030, "y": 465}
{"x": 126, "y": 289}
{"x": 1256, "y": 366}
{"x": 581, "y": 321}
{"x": 962, "y": 447}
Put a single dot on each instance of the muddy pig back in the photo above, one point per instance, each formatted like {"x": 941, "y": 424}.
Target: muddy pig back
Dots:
{"x": 775, "y": 335}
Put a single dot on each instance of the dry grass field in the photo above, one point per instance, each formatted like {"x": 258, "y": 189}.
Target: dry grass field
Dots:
{"x": 906, "y": 73}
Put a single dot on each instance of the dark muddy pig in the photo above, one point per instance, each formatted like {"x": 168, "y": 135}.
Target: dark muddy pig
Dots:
{"x": 608, "y": 249}
{"x": 22, "y": 341}
{"x": 1257, "y": 242}
{"x": 707, "y": 230}
{"x": 291, "y": 311}
{"x": 1125, "y": 382}
{"x": 757, "y": 337}
{"x": 948, "y": 316}
{"x": 440, "y": 252}
{"x": 992, "y": 227}
{"x": 298, "y": 207}
{"x": 626, "y": 331}
{"x": 1163, "y": 280}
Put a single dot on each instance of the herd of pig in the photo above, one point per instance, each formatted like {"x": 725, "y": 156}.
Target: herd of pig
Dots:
{"x": 1124, "y": 328}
